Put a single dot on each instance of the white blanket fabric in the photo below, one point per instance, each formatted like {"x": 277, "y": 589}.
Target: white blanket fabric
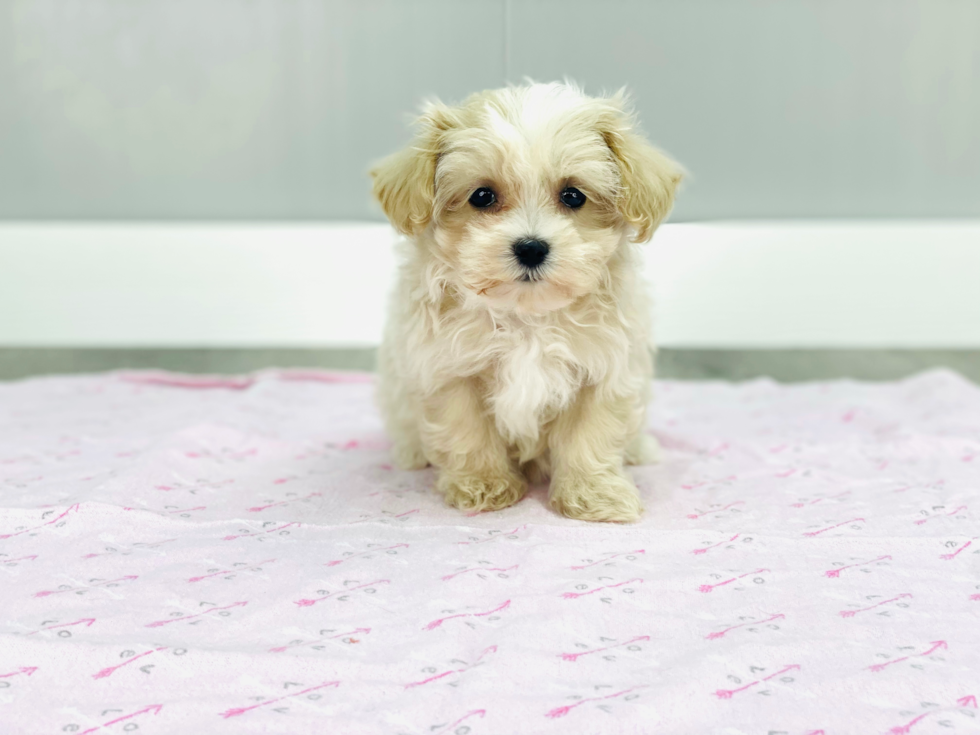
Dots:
{"x": 190, "y": 556}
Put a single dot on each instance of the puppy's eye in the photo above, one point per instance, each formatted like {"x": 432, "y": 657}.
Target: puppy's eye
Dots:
{"x": 572, "y": 198}
{"x": 482, "y": 198}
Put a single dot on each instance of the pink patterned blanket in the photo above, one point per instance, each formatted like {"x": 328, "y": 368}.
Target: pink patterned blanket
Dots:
{"x": 183, "y": 555}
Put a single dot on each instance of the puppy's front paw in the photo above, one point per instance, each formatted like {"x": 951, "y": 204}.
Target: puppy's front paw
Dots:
{"x": 474, "y": 492}
{"x": 604, "y": 497}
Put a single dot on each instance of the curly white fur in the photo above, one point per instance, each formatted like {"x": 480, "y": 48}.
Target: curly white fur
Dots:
{"x": 496, "y": 376}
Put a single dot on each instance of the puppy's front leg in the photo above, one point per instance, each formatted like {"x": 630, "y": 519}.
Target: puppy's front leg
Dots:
{"x": 462, "y": 441}
{"x": 587, "y": 445}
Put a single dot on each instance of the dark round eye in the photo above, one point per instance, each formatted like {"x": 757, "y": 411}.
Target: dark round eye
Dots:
{"x": 572, "y": 198}
{"x": 482, "y": 198}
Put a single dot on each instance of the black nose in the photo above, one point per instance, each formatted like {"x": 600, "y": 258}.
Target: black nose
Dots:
{"x": 530, "y": 253}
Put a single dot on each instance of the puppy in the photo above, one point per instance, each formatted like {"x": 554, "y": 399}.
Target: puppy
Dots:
{"x": 517, "y": 343}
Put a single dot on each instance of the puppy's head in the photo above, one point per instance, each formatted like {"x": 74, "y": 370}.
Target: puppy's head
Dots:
{"x": 526, "y": 192}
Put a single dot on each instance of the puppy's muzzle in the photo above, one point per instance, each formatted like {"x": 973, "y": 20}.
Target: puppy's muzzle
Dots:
{"x": 531, "y": 253}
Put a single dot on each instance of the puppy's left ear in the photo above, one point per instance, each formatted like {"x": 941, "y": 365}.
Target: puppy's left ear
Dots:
{"x": 404, "y": 183}
{"x": 648, "y": 177}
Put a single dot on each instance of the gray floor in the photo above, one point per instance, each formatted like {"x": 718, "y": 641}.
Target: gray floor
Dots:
{"x": 783, "y": 365}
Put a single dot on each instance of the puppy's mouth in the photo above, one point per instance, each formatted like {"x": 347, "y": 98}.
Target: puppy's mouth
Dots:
{"x": 529, "y": 292}
{"x": 528, "y": 275}
{"x": 531, "y": 276}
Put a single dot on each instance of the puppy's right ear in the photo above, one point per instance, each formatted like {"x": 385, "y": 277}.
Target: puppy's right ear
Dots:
{"x": 404, "y": 183}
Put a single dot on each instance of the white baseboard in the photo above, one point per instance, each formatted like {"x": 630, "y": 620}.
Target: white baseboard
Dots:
{"x": 723, "y": 284}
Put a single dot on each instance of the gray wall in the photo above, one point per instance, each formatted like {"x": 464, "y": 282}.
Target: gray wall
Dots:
{"x": 257, "y": 109}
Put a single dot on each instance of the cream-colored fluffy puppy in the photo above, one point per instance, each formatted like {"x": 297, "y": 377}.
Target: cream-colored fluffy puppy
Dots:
{"x": 517, "y": 344}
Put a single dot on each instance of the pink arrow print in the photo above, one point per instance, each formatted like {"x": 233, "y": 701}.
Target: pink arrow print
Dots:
{"x": 956, "y": 553}
{"x": 252, "y": 568}
{"x": 185, "y": 618}
{"x": 235, "y": 712}
{"x": 492, "y": 538}
{"x": 573, "y": 595}
{"x": 706, "y": 549}
{"x": 729, "y": 693}
{"x": 260, "y": 533}
{"x": 480, "y": 569}
{"x": 562, "y": 711}
{"x": 852, "y": 613}
{"x": 335, "y": 562}
{"x": 835, "y": 573}
{"x": 968, "y": 701}
{"x": 576, "y": 656}
{"x": 941, "y": 515}
{"x": 696, "y": 485}
{"x": 356, "y": 631}
{"x": 468, "y": 715}
{"x": 363, "y": 444}
{"x": 87, "y": 621}
{"x": 32, "y": 557}
{"x": 187, "y": 510}
{"x": 476, "y": 662}
{"x": 154, "y": 708}
{"x": 128, "y": 578}
{"x": 811, "y": 534}
{"x": 25, "y": 670}
{"x": 72, "y": 509}
{"x": 112, "y": 669}
{"x": 315, "y": 600}
{"x": 134, "y": 547}
{"x": 695, "y": 516}
{"x": 936, "y": 645}
{"x": 260, "y": 508}
{"x": 721, "y": 633}
{"x": 436, "y": 623}
{"x": 609, "y": 558}
{"x": 710, "y": 587}
{"x": 385, "y": 517}
{"x": 820, "y": 500}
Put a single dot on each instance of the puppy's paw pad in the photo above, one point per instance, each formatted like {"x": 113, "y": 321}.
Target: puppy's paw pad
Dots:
{"x": 481, "y": 493}
{"x": 611, "y": 498}
{"x": 644, "y": 449}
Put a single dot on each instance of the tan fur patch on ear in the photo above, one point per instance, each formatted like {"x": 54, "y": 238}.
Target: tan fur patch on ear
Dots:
{"x": 649, "y": 177}
{"x": 404, "y": 183}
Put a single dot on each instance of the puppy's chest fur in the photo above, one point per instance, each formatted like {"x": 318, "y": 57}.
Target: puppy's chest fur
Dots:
{"x": 529, "y": 368}
{"x": 534, "y": 375}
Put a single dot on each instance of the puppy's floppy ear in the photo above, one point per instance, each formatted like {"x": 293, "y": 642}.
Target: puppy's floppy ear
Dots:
{"x": 649, "y": 178}
{"x": 404, "y": 183}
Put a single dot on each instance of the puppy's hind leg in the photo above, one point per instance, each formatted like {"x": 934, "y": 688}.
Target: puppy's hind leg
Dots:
{"x": 642, "y": 449}
{"x": 475, "y": 471}
{"x": 407, "y": 451}
{"x": 402, "y": 416}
